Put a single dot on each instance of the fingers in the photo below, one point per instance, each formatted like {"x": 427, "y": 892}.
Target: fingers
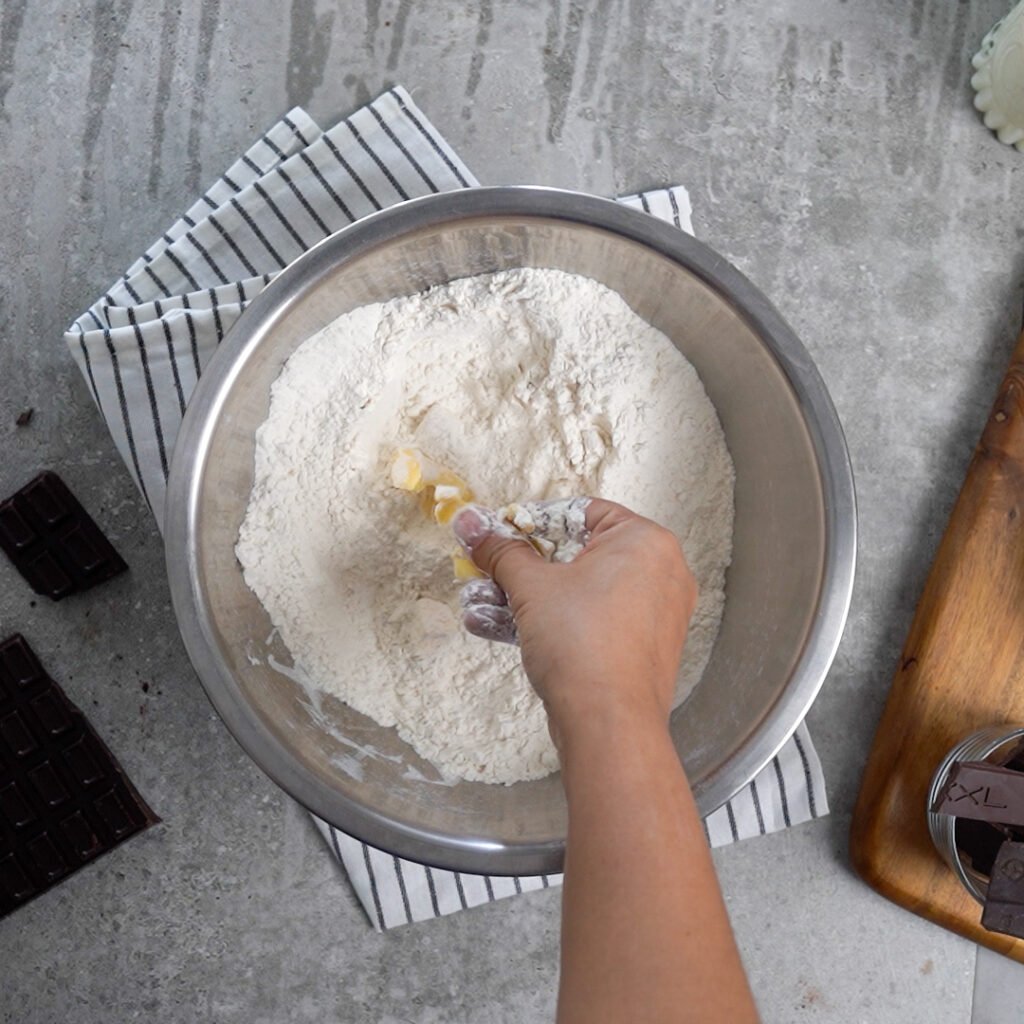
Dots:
{"x": 482, "y": 592}
{"x": 501, "y": 553}
{"x": 559, "y": 526}
{"x": 485, "y": 611}
{"x": 603, "y": 515}
{"x": 490, "y": 622}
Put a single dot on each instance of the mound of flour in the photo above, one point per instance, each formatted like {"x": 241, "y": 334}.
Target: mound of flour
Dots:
{"x": 528, "y": 384}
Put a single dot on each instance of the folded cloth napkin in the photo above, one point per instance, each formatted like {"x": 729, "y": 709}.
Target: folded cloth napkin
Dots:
{"x": 144, "y": 343}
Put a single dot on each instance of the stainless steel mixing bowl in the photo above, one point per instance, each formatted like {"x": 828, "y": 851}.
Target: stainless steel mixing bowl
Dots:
{"x": 788, "y": 589}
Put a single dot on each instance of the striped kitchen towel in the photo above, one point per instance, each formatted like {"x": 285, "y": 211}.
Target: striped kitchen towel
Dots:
{"x": 143, "y": 344}
{"x": 393, "y": 891}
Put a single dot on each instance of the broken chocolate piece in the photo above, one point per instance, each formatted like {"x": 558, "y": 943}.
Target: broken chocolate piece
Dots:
{"x": 983, "y": 792}
{"x": 53, "y": 542}
{"x": 979, "y": 842}
{"x": 64, "y": 800}
{"x": 1004, "y": 904}
{"x": 1014, "y": 757}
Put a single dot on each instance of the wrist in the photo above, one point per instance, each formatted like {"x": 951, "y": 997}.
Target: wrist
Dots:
{"x": 606, "y": 729}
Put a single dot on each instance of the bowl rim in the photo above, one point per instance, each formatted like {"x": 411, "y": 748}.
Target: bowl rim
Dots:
{"x": 414, "y": 842}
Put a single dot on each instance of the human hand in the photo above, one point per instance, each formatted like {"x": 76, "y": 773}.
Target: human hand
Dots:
{"x": 604, "y": 632}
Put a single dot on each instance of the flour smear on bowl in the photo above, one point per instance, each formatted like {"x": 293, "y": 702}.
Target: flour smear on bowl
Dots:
{"x": 527, "y": 383}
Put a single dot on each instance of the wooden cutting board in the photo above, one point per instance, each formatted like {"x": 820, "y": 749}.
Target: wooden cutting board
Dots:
{"x": 962, "y": 668}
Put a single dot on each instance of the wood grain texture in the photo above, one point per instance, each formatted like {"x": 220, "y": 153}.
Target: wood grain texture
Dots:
{"x": 962, "y": 668}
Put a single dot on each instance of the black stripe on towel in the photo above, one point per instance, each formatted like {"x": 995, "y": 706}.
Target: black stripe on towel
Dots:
{"x": 206, "y": 256}
{"x": 192, "y": 335}
{"x": 273, "y": 147}
{"x": 730, "y": 814}
{"x": 757, "y": 806}
{"x": 544, "y": 881}
{"x": 215, "y": 308}
{"x": 488, "y": 887}
{"x": 461, "y": 891}
{"x": 150, "y": 391}
{"x": 233, "y": 245}
{"x": 402, "y": 889}
{"x": 807, "y": 775}
{"x": 295, "y": 128}
{"x": 437, "y": 147}
{"x": 171, "y": 357}
{"x": 432, "y": 890}
{"x": 88, "y": 369}
{"x": 255, "y": 228}
{"x": 351, "y": 172}
{"x": 327, "y": 187}
{"x": 276, "y": 211}
{"x": 123, "y": 403}
{"x": 405, "y": 152}
{"x": 675, "y": 208}
{"x": 373, "y": 885}
{"x": 644, "y": 204}
{"x": 156, "y": 280}
{"x": 252, "y": 165}
{"x": 782, "y": 790}
{"x": 136, "y": 297}
{"x": 314, "y": 216}
{"x": 182, "y": 269}
{"x": 334, "y": 842}
{"x": 376, "y": 159}
{"x": 517, "y": 884}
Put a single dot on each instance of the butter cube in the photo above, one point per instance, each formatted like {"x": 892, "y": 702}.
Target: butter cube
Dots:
{"x": 464, "y": 568}
{"x": 442, "y": 492}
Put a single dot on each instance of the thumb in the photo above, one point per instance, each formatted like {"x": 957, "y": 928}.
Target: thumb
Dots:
{"x": 509, "y": 559}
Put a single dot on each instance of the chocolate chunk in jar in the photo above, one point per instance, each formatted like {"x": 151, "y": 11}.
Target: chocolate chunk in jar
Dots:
{"x": 1004, "y": 904}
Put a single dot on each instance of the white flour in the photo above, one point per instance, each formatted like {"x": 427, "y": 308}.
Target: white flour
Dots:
{"x": 529, "y": 384}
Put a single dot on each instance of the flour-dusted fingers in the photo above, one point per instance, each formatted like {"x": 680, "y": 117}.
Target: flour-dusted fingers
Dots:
{"x": 495, "y": 546}
{"x": 490, "y": 622}
{"x": 485, "y": 611}
{"x": 483, "y": 591}
{"x": 558, "y": 526}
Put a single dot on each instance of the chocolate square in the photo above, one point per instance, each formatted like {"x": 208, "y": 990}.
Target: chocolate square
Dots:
{"x": 53, "y": 542}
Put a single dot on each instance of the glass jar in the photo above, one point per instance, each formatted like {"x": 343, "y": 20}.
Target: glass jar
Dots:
{"x": 989, "y": 744}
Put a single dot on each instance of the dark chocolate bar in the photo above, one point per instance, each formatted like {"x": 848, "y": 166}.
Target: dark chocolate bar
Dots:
{"x": 53, "y": 542}
{"x": 1004, "y": 905}
{"x": 983, "y": 792}
{"x": 64, "y": 800}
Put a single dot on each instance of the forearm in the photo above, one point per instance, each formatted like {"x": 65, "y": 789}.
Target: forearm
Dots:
{"x": 645, "y": 934}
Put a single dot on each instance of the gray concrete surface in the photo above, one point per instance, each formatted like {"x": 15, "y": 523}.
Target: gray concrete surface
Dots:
{"x": 832, "y": 153}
